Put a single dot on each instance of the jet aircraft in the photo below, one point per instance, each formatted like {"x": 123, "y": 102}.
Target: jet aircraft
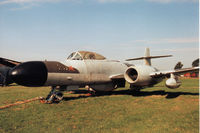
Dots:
{"x": 84, "y": 68}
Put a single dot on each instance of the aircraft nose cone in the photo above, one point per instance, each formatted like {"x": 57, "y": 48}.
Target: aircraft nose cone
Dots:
{"x": 33, "y": 73}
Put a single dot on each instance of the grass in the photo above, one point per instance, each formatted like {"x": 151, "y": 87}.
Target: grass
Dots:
{"x": 155, "y": 109}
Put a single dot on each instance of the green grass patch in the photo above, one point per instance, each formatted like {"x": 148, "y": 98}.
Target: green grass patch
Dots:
{"x": 155, "y": 109}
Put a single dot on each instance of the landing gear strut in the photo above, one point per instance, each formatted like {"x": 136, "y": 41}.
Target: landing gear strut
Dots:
{"x": 53, "y": 96}
{"x": 90, "y": 90}
{"x": 135, "y": 89}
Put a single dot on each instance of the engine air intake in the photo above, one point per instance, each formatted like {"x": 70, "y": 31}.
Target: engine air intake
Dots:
{"x": 131, "y": 75}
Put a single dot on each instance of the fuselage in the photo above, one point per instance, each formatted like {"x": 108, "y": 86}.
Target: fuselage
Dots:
{"x": 93, "y": 70}
{"x": 90, "y": 72}
{"x": 81, "y": 69}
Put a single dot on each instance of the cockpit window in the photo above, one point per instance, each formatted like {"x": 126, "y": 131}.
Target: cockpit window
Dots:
{"x": 77, "y": 57}
{"x": 90, "y": 56}
{"x": 86, "y": 55}
{"x": 71, "y": 55}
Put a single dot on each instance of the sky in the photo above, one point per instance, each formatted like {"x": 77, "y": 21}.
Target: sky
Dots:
{"x": 117, "y": 29}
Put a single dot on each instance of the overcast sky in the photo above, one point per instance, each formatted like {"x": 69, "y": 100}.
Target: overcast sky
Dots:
{"x": 117, "y": 29}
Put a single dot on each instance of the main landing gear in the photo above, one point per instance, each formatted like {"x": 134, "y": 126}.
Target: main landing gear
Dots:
{"x": 91, "y": 91}
{"x": 135, "y": 89}
{"x": 54, "y": 96}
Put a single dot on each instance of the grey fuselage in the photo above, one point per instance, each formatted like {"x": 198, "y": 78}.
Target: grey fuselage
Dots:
{"x": 82, "y": 69}
{"x": 91, "y": 72}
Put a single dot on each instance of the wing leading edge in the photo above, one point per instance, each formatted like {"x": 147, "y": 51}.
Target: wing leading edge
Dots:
{"x": 8, "y": 62}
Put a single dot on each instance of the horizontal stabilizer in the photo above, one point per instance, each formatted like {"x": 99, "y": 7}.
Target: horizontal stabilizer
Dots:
{"x": 148, "y": 57}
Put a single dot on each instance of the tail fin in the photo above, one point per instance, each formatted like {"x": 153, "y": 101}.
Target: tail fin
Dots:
{"x": 147, "y": 61}
{"x": 147, "y": 58}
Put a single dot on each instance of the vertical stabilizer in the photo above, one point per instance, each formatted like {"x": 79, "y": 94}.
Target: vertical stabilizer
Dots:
{"x": 147, "y": 61}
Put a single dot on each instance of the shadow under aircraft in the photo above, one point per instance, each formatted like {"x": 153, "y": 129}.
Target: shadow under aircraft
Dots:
{"x": 167, "y": 94}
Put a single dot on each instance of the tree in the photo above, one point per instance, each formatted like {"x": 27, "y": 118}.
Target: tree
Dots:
{"x": 195, "y": 63}
{"x": 179, "y": 65}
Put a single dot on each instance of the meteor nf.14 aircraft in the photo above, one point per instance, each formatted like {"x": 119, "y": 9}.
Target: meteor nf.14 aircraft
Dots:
{"x": 84, "y": 68}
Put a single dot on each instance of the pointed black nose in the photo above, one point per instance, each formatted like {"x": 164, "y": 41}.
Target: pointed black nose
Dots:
{"x": 33, "y": 73}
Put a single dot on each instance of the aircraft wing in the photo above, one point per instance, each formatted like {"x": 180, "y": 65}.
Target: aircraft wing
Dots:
{"x": 118, "y": 80}
{"x": 8, "y": 62}
{"x": 176, "y": 72}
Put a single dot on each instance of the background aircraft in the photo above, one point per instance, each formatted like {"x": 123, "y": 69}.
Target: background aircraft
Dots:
{"x": 5, "y": 66}
{"x": 84, "y": 68}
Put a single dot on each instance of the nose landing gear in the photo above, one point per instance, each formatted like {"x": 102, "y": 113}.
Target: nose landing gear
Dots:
{"x": 53, "y": 96}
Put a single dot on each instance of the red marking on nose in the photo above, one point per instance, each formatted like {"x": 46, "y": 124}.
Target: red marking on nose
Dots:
{"x": 71, "y": 68}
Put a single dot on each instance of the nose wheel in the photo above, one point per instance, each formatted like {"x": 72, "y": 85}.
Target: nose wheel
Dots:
{"x": 53, "y": 97}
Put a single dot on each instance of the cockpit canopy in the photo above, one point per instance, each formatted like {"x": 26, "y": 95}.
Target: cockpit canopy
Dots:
{"x": 85, "y": 55}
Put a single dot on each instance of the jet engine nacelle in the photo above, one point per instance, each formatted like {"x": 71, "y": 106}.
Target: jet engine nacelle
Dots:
{"x": 140, "y": 75}
{"x": 173, "y": 82}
